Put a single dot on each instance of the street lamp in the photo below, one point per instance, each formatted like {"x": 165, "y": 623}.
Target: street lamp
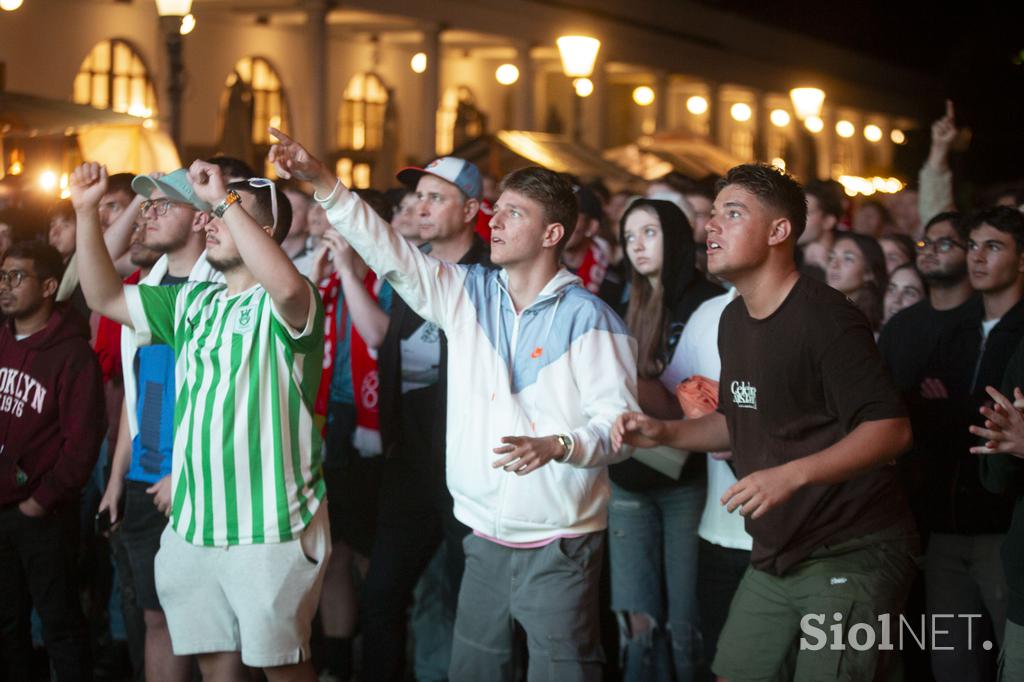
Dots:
{"x": 578, "y": 55}
{"x": 171, "y": 13}
{"x": 807, "y": 102}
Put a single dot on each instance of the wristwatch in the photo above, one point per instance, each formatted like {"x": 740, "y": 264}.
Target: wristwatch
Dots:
{"x": 232, "y": 198}
{"x": 566, "y": 442}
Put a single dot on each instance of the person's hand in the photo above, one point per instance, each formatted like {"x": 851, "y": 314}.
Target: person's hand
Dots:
{"x": 761, "y": 491}
{"x": 207, "y": 181}
{"x": 31, "y": 508}
{"x": 1003, "y": 430}
{"x": 321, "y": 264}
{"x": 638, "y": 430}
{"x": 161, "y": 492}
{"x": 524, "y": 454}
{"x": 342, "y": 254}
{"x": 112, "y": 499}
{"x": 291, "y": 159}
{"x": 944, "y": 129}
{"x": 933, "y": 389}
{"x": 88, "y": 184}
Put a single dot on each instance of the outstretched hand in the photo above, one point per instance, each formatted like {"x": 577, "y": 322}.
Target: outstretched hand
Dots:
{"x": 524, "y": 454}
{"x": 638, "y": 430}
{"x": 291, "y": 159}
{"x": 88, "y": 184}
{"x": 760, "y": 492}
{"x": 1003, "y": 430}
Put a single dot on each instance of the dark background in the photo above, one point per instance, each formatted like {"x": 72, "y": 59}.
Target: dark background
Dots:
{"x": 974, "y": 50}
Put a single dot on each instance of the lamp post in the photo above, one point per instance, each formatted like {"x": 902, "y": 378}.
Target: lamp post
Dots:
{"x": 578, "y": 55}
{"x": 171, "y": 13}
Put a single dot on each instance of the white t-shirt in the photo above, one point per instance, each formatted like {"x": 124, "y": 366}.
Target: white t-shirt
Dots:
{"x": 697, "y": 353}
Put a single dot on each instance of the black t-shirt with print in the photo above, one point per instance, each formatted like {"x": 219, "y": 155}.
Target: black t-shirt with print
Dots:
{"x": 792, "y": 385}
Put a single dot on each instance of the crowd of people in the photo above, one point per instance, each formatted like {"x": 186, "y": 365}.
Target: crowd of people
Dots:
{"x": 528, "y": 429}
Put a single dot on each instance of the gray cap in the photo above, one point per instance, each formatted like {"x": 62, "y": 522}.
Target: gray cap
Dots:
{"x": 174, "y": 185}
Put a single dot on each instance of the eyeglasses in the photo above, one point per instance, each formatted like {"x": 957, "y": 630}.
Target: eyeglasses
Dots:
{"x": 14, "y": 277}
{"x": 162, "y": 206}
{"x": 267, "y": 182}
{"x": 942, "y": 245}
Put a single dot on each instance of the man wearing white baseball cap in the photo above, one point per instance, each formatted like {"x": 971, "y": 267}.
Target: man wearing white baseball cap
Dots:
{"x": 412, "y": 363}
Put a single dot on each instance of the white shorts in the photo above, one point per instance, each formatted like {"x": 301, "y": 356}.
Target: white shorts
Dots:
{"x": 256, "y": 599}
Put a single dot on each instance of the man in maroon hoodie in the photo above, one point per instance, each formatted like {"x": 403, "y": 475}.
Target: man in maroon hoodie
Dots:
{"x": 51, "y": 425}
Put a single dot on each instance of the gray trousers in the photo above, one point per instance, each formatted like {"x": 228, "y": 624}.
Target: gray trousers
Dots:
{"x": 964, "y": 576}
{"x": 551, "y": 592}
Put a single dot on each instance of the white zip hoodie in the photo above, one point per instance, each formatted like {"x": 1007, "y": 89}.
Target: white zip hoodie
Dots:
{"x": 566, "y": 364}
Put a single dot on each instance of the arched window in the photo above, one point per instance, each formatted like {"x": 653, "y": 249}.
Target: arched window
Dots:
{"x": 363, "y": 109}
{"x": 114, "y": 76}
{"x": 253, "y": 99}
{"x": 458, "y": 119}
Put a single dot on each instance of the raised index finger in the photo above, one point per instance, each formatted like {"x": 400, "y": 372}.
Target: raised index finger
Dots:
{"x": 280, "y": 136}
{"x": 949, "y": 109}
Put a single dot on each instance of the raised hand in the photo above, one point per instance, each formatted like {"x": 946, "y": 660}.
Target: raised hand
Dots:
{"x": 291, "y": 159}
{"x": 342, "y": 254}
{"x": 638, "y": 430}
{"x": 944, "y": 130}
{"x": 1003, "y": 430}
{"x": 207, "y": 181}
{"x": 88, "y": 184}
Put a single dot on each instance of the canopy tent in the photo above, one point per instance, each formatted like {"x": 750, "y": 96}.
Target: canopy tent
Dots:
{"x": 652, "y": 156}
{"x": 506, "y": 150}
{"x": 119, "y": 141}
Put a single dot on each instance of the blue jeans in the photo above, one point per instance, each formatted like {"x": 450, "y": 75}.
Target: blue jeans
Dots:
{"x": 652, "y": 541}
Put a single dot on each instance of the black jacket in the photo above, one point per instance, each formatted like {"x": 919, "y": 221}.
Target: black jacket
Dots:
{"x": 423, "y": 410}
{"x": 1004, "y": 475}
{"x": 966, "y": 363}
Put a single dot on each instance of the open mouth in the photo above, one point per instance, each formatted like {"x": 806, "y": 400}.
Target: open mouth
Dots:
{"x": 713, "y": 245}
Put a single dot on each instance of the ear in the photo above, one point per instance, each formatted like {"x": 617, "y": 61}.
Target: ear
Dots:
{"x": 50, "y": 286}
{"x": 830, "y": 222}
{"x": 469, "y": 210}
{"x": 553, "y": 234}
{"x": 593, "y": 224}
{"x": 200, "y": 220}
{"x": 779, "y": 232}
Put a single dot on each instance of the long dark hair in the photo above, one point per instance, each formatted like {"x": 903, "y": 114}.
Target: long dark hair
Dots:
{"x": 650, "y": 306}
{"x": 870, "y": 297}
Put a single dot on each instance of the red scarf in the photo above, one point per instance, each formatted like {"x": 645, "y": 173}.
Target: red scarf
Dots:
{"x": 363, "y": 365}
{"x": 593, "y": 267}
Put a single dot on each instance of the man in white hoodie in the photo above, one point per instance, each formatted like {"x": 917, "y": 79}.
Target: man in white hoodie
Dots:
{"x": 546, "y": 365}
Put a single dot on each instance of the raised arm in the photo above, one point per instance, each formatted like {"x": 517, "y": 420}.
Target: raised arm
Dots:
{"x": 264, "y": 258}
{"x": 370, "y": 321}
{"x": 427, "y": 285}
{"x": 118, "y": 237}
{"x": 100, "y": 282}
{"x": 936, "y": 178}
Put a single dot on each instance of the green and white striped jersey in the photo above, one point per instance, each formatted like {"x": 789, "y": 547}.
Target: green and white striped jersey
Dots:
{"x": 247, "y": 463}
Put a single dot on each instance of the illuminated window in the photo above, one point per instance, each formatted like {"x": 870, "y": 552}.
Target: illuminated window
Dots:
{"x": 114, "y": 76}
{"x": 353, "y": 174}
{"x": 253, "y": 93}
{"x": 458, "y": 120}
{"x": 363, "y": 109}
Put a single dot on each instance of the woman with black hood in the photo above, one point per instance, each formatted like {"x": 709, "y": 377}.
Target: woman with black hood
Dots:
{"x": 658, "y": 495}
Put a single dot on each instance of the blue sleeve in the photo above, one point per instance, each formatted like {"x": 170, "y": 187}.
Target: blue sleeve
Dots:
{"x": 384, "y": 297}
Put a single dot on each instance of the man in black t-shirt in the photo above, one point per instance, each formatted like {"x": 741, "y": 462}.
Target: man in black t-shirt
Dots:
{"x": 813, "y": 423}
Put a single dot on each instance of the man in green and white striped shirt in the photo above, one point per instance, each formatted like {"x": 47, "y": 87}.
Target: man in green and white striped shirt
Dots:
{"x": 241, "y": 564}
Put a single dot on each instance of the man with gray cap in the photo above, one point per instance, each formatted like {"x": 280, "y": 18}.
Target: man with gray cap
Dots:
{"x": 415, "y": 514}
{"x": 171, "y": 218}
